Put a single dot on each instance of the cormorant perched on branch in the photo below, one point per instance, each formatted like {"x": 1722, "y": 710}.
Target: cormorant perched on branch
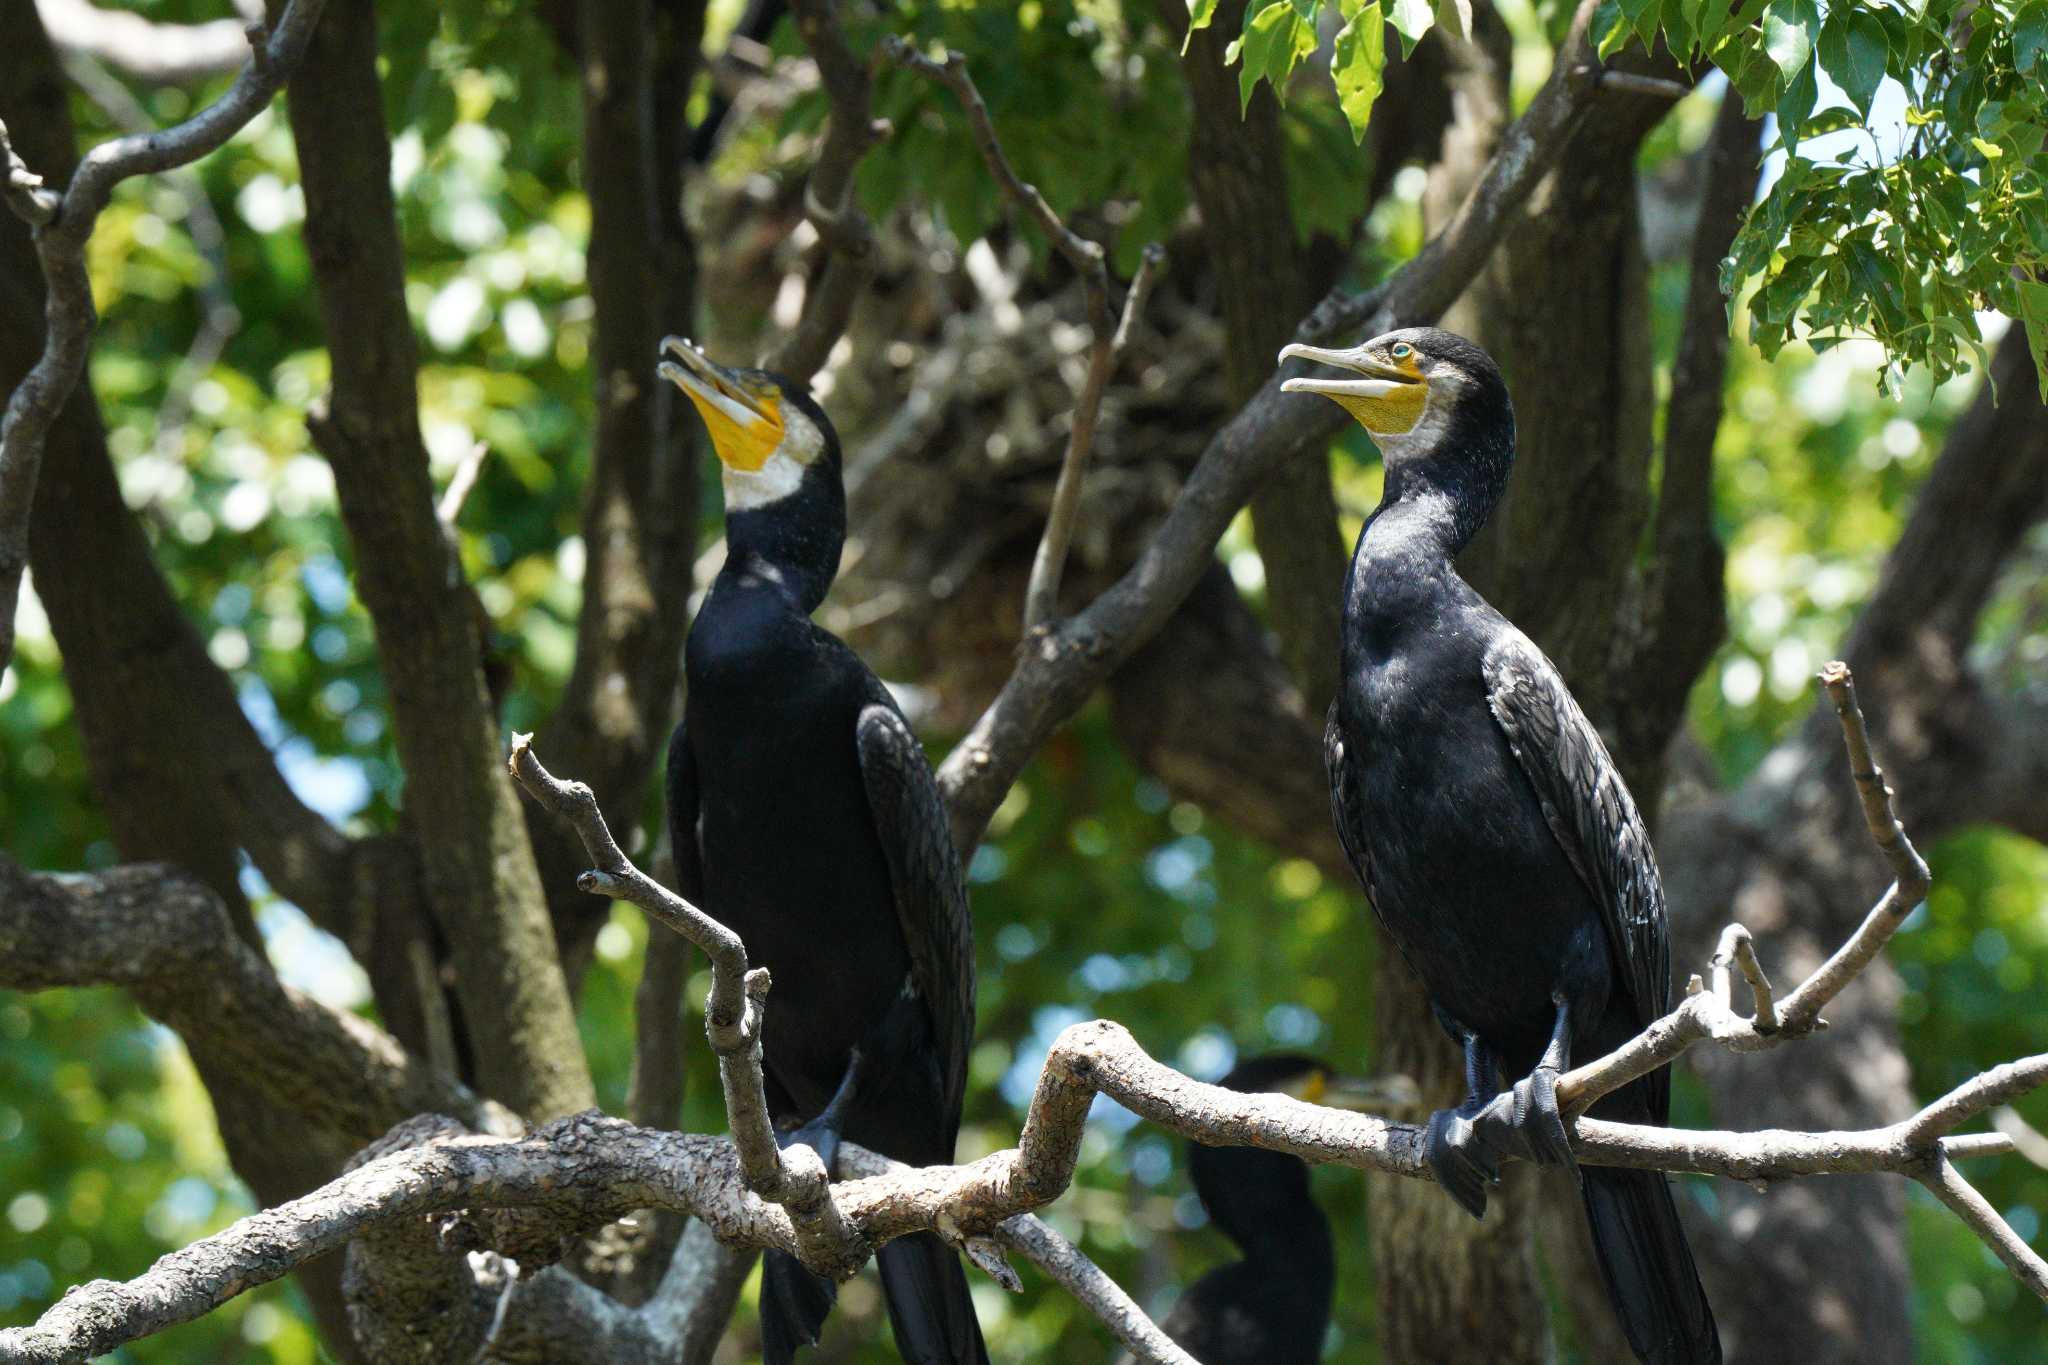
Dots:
{"x": 804, "y": 816}
{"x": 1492, "y": 831}
{"x": 1272, "y": 1307}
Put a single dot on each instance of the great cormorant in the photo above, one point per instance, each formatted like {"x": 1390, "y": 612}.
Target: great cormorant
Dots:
{"x": 804, "y": 816}
{"x": 1496, "y": 841}
{"x": 1273, "y": 1306}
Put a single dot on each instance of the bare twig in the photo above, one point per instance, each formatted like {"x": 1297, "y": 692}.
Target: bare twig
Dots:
{"x": 1974, "y": 1209}
{"x": 460, "y": 485}
{"x": 1802, "y": 1008}
{"x": 1708, "y": 1014}
{"x": 581, "y": 1172}
{"x": 1041, "y": 597}
{"x": 794, "y": 1177}
{"x": 1630, "y": 82}
{"x": 62, "y": 225}
{"x": 1048, "y": 564}
{"x": 1738, "y": 949}
{"x": 2021, "y": 1136}
{"x": 846, "y": 236}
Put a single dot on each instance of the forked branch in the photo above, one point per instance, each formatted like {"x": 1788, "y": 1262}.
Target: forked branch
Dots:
{"x": 584, "y": 1171}
{"x": 1109, "y": 332}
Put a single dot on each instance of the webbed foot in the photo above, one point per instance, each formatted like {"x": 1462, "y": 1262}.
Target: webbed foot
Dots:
{"x": 1465, "y": 1146}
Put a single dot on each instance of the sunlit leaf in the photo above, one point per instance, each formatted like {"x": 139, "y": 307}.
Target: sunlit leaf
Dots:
{"x": 1356, "y": 66}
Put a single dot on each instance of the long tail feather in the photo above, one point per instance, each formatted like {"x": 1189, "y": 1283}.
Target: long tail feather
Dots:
{"x": 794, "y": 1303}
{"x": 1651, "y": 1279}
{"x": 929, "y": 1306}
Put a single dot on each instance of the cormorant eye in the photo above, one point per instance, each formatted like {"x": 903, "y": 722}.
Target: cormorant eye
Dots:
{"x": 1402, "y": 350}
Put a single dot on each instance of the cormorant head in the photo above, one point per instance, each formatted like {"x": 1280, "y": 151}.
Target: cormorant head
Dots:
{"x": 784, "y": 499}
{"x": 1433, "y": 402}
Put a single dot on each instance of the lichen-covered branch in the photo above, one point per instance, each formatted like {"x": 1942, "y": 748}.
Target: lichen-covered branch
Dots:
{"x": 164, "y": 937}
{"x": 522, "y": 1196}
{"x": 62, "y": 225}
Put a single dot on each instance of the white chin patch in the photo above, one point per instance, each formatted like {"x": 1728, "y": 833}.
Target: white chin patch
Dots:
{"x": 772, "y": 482}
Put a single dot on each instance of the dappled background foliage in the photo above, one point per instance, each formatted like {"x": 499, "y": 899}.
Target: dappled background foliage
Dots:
{"x": 1095, "y": 893}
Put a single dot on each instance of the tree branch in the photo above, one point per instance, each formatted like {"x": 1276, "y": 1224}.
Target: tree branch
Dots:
{"x": 848, "y": 239}
{"x": 62, "y": 226}
{"x": 1059, "y": 668}
{"x": 160, "y": 54}
{"x": 1041, "y": 596}
{"x": 477, "y": 861}
{"x": 578, "y": 1173}
{"x": 160, "y": 934}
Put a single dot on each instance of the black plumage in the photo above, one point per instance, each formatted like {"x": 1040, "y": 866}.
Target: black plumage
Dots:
{"x": 804, "y": 815}
{"x": 1499, "y": 847}
{"x": 1272, "y": 1307}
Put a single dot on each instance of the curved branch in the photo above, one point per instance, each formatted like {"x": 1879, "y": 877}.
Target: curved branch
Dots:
{"x": 165, "y": 937}
{"x": 63, "y": 224}
{"x": 1059, "y": 668}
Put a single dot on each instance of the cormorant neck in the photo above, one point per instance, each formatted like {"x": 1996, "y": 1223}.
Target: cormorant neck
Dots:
{"x": 1260, "y": 1200}
{"x": 1440, "y": 502}
{"x": 792, "y": 541}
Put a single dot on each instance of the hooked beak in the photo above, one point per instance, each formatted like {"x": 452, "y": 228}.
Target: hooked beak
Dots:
{"x": 706, "y": 381}
{"x": 1380, "y": 377}
{"x": 742, "y": 411}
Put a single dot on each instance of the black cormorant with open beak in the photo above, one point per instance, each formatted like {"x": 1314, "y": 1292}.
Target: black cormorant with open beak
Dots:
{"x": 804, "y": 816}
{"x": 1496, "y": 841}
{"x": 1273, "y": 1306}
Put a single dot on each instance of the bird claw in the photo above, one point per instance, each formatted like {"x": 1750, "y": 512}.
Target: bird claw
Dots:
{"x": 1465, "y": 1146}
{"x": 1459, "y": 1155}
{"x": 1537, "y": 1121}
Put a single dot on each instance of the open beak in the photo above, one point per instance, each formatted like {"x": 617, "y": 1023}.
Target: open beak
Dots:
{"x": 1379, "y": 377}
{"x": 742, "y": 414}
{"x": 687, "y": 367}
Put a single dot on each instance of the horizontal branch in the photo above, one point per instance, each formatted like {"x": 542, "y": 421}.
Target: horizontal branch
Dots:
{"x": 164, "y": 937}
{"x": 586, "y": 1170}
{"x": 159, "y": 53}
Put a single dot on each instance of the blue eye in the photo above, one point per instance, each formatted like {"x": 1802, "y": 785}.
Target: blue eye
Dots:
{"x": 1402, "y": 350}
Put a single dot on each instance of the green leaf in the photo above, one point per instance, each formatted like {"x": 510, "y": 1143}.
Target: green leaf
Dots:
{"x": 1788, "y": 34}
{"x": 1356, "y": 67}
{"x": 1795, "y": 106}
{"x": 2030, "y": 36}
{"x": 1455, "y": 16}
{"x": 1642, "y": 15}
{"x": 1411, "y": 19}
{"x": 2034, "y": 315}
{"x": 1267, "y": 45}
{"x": 1991, "y": 150}
{"x": 1853, "y": 51}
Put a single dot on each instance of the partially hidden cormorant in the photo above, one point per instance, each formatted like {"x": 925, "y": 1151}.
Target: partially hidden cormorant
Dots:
{"x": 1496, "y": 841}
{"x": 804, "y": 816}
{"x": 1273, "y": 1306}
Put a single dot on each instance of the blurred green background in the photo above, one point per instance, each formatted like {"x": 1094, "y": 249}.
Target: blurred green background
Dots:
{"x": 1095, "y": 893}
